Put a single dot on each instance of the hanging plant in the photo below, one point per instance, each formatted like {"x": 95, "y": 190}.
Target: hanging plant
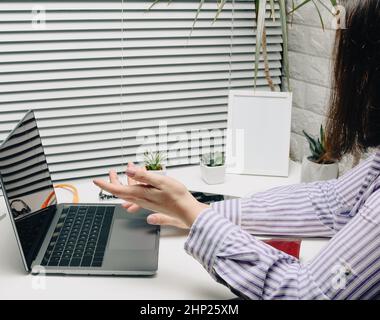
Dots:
{"x": 261, "y": 44}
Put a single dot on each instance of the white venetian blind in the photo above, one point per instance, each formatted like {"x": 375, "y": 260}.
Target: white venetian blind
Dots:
{"x": 97, "y": 72}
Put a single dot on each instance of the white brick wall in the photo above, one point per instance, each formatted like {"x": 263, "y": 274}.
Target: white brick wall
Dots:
{"x": 310, "y": 59}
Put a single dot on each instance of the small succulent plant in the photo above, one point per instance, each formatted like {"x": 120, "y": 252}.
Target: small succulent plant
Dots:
{"x": 153, "y": 160}
{"x": 215, "y": 159}
{"x": 318, "y": 148}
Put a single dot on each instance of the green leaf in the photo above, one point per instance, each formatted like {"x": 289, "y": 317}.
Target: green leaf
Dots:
{"x": 291, "y": 13}
{"x": 215, "y": 159}
{"x": 318, "y": 148}
{"x": 220, "y": 8}
{"x": 299, "y": 6}
{"x": 271, "y": 2}
{"x": 325, "y": 6}
{"x": 153, "y": 4}
{"x": 153, "y": 160}
{"x": 319, "y": 14}
{"x": 322, "y": 134}
{"x": 260, "y": 25}
{"x": 197, "y": 15}
{"x": 312, "y": 142}
{"x": 285, "y": 43}
{"x": 156, "y": 1}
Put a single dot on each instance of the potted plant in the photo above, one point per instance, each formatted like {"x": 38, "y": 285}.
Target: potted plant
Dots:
{"x": 154, "y": 161}
{"x": 318, "y": 166}
{"x": 213, "y": 169}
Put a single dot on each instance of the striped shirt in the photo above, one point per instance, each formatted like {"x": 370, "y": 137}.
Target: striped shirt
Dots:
{"x": 347, "y": 210}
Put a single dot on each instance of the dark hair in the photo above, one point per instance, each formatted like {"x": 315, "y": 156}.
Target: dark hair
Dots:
{"x": 353, "y": 122}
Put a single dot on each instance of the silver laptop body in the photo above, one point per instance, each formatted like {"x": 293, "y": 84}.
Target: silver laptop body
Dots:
{"x": 68, "y": 239}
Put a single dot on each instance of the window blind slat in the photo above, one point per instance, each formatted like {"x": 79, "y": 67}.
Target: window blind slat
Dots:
{"x": 136, "y": 71}
{"x": 147, "y": 80}
{"x": 158, "y": 97}
{"x": 88, "y": 139}
{"x": 138, "y": 51}
{"x": 141, "y": 6}
{"x": 62, "y": 64}
{"x": 112, "y": 89}
{"x": 102, "y": 76}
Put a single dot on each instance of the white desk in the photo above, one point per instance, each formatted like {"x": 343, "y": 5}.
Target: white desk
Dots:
{"x": 235, "y": 185}
{"x": 179, "y": 276}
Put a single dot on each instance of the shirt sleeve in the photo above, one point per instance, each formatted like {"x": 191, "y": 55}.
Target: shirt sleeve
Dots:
{"x": 348, "y": 268}
{"x": 318, "y": 209}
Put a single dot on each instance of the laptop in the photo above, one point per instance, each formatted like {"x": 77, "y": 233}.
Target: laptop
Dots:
{"x": 68, "y": 239}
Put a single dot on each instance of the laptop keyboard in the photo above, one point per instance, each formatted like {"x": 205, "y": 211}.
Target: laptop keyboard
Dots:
{"x": 80, "y": 237}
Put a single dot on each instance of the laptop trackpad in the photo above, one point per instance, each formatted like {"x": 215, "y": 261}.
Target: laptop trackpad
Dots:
{"x": 132, "y": 234}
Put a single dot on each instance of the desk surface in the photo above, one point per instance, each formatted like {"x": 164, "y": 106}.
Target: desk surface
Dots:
{"x": 179, "y": 275}
{"x": 235, "y": 185}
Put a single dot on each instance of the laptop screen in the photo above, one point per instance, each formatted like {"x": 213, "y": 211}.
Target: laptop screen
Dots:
{"x": 27, "y": 185}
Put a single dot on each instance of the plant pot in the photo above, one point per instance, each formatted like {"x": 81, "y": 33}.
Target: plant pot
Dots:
{"x": 213, "y": 175}
{"x": 312, "y": 171}
{"x": 160, "y": 172}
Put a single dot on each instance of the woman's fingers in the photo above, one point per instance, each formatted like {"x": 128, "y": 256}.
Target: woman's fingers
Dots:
{"x": 114, "y": 177}
{"x": 165, "y": 220}
{"x": 123, "y": 192}
{"x": 132, "y": 166}
{"x": 144, "y": 176}
{"x": 110, "y": 187}
{"x": 131, "y": 207}
{"x": 131, "y": 182}
{"x": 134, "y": 208}
{"x": 127, "y": 205}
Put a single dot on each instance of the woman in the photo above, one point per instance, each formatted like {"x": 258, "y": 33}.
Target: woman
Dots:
{"x": 346, "y": 209}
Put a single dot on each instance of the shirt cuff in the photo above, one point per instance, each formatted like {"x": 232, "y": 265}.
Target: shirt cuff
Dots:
{"x": 206, "y": 236}
{"x": 229, "y": 209}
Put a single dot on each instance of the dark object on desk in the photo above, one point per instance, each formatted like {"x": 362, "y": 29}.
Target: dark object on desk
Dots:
{"x": 207, "y": 197}
{"x": 291, "y": 247}
{"x": 19, "y": 208}
{"x": 104, "y": 195}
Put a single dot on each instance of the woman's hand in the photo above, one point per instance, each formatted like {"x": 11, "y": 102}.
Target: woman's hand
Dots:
{"x": 175, "y": 204}
{"x": 158, "y": 218}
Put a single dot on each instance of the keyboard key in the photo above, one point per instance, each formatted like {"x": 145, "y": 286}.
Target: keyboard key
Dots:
{"x": 64, "y": 262}
{"x": 96, "y": 263}
{"x": 98, "y": 257}
{"x": 86, "y": 262}
{"x": 100, "y": 210}
{"x": 75, "y": 262}
{"x": 110, "y": 210}
{"x": 53, "y": 262}
{"x": 56, "y": 254}
{"x": 81, "y": 238}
